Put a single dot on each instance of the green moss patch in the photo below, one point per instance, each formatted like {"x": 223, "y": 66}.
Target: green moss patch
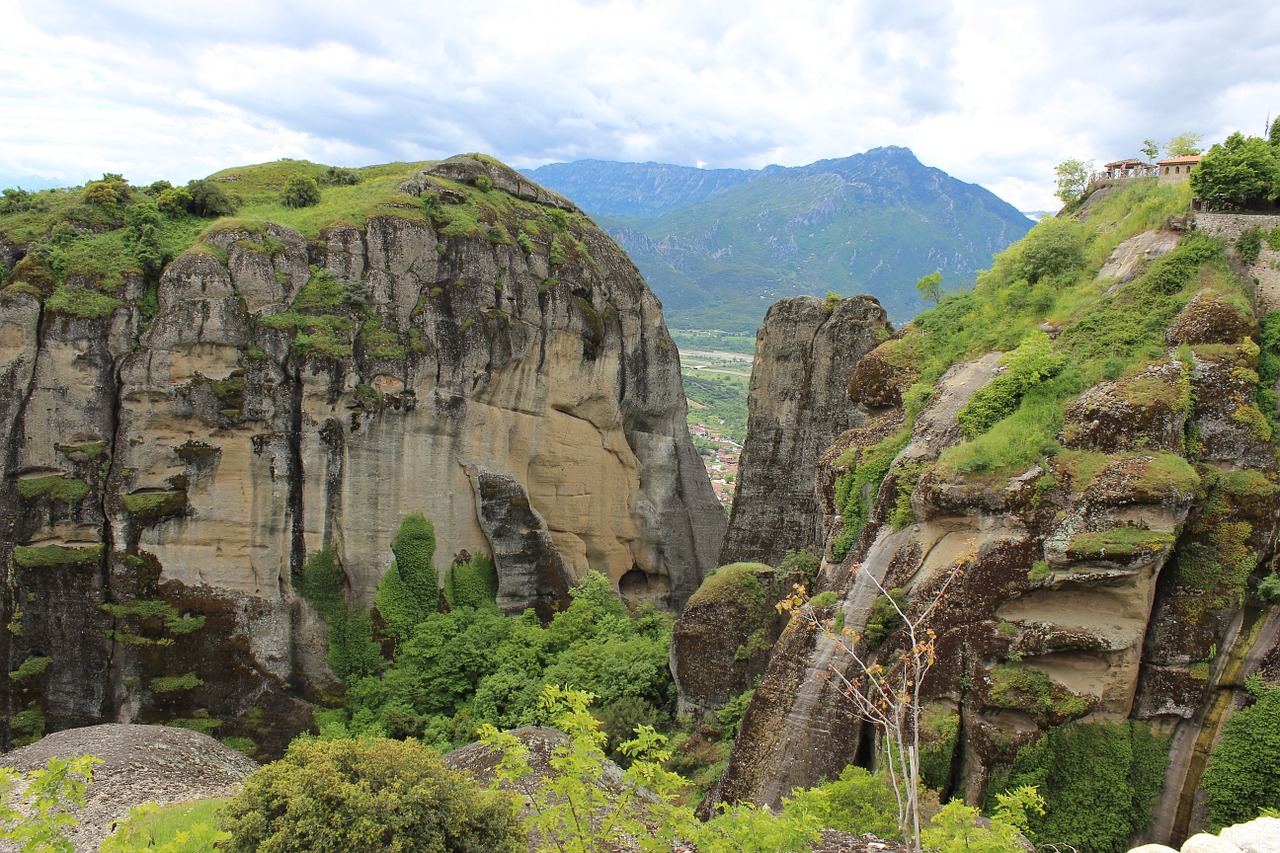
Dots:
{"x": 55, "y": 556}
{"x": 1118, "y": 543}
{"x": 735, "y": 583}
{"x": 75, "y": 301}
{"x": 175, "y": 684}
{"x": 30, "y": 668}
{"x": 1029, "y": 689}
{"x": 68, "y": 490}
{"x": 153, "y": 506}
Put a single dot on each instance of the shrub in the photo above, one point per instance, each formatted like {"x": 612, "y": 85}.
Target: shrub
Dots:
{"x": 1099, "y": 781}
{"x": 368, "y": 795}
{"x": 1243, "y": 775}
{"x": 1054, "y": 247}
{"x": 1249, "y": 245}
{"x": 857, "y": 802}
{"x": 352, "y": 651}
{"x": 300, "y": 191}
{"x": 409, "y": 591}
{"x": 45, "y": 804}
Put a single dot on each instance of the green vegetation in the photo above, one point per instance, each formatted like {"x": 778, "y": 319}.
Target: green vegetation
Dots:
{"x": 1072, "y": 178}
{"x": 187, "y": 827}
{"x": 152, "y": 506}
{"x": 175, "y": 683}
{"x": 886, "y": 616}
{"x": 1118, "y": 543}
{"x": 856, "y": 489}
{"x": 1239, "y": 171}
{"x": 68, "y": 490}
{"x": 300, "y": 191}
{"x": 76, "y": 301}
{"x": 38, "y": 821}
{"x": 55, "y": 556}
{"x": 1029, "y": 689}
{"x": 1099, "y": 782}
{"x": 352, "y": 651}
{"x": 31, "y": 668}
{"x": 367, "y": 795}
{"x": 1243, "y": 776}
{"x": 408, "y": 593}
{"x": 471, "y": 584}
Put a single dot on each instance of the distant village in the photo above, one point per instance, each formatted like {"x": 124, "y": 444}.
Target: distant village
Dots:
{"x": 720, "y": 455}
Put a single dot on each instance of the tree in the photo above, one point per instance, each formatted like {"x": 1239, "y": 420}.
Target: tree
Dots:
{"x": 300, "y": 191}
{"x": 930, "y": 287}
{"x": 1184, "y": 144}
{"x": 209, "y": 199}
{"x": 1273, "y": 136}
{"x": 1072, "y": 179}
{"x": 1150, "y": 149}
{"x": 889, "y": 697}
{"x": 1237, "y": 171}
{"x": 50, "y": 792}
{"x": 370, "y": 795}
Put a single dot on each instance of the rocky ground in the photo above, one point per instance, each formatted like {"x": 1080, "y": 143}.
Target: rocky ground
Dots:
{"x": 140, "y": 764}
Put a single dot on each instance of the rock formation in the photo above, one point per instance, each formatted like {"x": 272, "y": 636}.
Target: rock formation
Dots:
{"x": 477, "y": 351}
{"x": 1104, "y": 582}
{"x": 805, "y": 350}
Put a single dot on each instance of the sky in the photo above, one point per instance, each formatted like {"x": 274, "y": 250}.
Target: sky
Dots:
{"x": 994, "y": 92}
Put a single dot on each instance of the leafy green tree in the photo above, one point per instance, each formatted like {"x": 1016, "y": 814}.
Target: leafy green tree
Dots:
{"x": 113, "y": 189}
{"x": 1185, "y": 144}
{"x": 956, "y": 828}
{"x": 1150, "y": 150}
{"x": 1238, "y": 171}
{"x": 1072, "y": 178}
{"x": 367, "y": 795}
{"x": 175, "y": 201}
{"x": 45, "y": 804}
{"x": 410, "y": 591}
{"x": 300, "y": 191}
{"x": 859, "y": 802}
{"x": 1243, "y": 776}
{"x": 930, "y": 287}
{"x": 208, "y": 199}
{"x": 1273, "y": 136}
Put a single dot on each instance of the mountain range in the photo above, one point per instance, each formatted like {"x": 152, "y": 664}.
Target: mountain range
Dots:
{"x": 719, "y": 246}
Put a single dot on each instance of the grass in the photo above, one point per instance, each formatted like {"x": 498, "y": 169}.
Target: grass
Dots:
{"x": 175, "y": 683}
{"x": 179, "y": 826}
{"x": 150, "y": 506}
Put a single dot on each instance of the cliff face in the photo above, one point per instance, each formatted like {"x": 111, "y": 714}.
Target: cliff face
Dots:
{"x": 1111, "y": 579}
{"x": 166, "y": 478}
{"x": 796, "y": 407}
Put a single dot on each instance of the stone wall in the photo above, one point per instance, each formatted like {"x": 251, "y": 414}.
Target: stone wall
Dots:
{"x": 1265, "y": 270}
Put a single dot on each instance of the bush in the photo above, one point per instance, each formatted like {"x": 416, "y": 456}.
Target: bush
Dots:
{"x": 1099, "y": 781}
{"x": 409, "y": 591}
{"x": 1243, "y": 775}
{"x": 368, "y": 795}
{"x": 1054, "y": 247}
{"x": 300, "y": 191}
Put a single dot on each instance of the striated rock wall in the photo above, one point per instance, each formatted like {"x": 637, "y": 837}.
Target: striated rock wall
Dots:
{"x": 290, "y": 395}
{"x": 805, "y": 351}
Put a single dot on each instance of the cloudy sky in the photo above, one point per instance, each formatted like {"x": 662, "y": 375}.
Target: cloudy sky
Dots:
{"x": 993, "y": 91}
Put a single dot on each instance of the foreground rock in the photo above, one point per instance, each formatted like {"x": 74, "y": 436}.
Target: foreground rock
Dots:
{"x": 1256, "y": 836}
{"x": 140, "y": 764}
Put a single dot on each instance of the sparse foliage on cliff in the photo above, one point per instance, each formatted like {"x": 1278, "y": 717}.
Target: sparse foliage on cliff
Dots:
{"x": 888, "y": 695}
{"x": 930, "y": 287}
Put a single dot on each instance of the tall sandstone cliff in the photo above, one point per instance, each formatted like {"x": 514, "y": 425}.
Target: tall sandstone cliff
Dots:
{"x": 1113, "y": 579}
{"x": 166, "y": 479}
{"x": 796, "y": 407}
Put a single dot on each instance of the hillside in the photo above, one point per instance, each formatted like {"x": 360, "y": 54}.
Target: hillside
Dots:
{"x": 720, "y": 246}
{"x": 1077, "y": 461}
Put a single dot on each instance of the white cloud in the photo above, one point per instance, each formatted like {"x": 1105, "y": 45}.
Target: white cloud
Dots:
{"x": 992, "y": 91}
